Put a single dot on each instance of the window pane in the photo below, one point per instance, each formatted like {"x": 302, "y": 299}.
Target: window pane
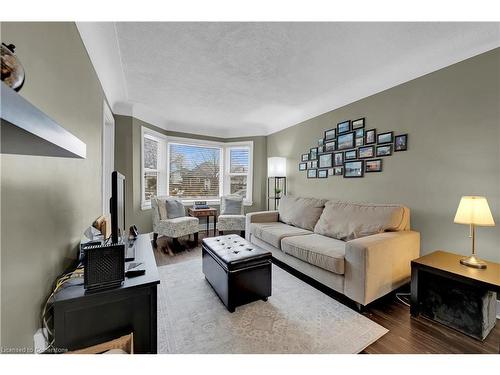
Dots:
{"x": 239, "y": 185}
{"x": 194, "y": 171}
{"x": 150, "y": 184}
{"x": 150, "y": 153}
{"x": 238, "y": 161}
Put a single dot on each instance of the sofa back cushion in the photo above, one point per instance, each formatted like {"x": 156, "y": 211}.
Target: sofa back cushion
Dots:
{"x": 300, "y": 212}
{"x": 346, "y": 221}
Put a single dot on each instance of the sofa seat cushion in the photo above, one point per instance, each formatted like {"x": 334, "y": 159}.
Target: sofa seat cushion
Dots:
{"x": 347, "y": 221}
{"x": 300, "y": 212}
{"x": 324, "y": 252}
{"x": 273, "y": 233}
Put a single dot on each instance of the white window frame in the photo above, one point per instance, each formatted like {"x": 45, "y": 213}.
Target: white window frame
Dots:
{"x": 164, "y": 165}
{"x": 247, "y": 145}
{"x": 108, "y": 155}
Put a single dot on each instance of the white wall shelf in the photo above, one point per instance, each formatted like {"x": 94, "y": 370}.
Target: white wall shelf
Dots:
{"x": 26, "y": 130}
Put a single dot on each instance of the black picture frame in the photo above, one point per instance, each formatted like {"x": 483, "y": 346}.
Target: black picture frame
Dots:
{"x": 330, "y": 171}
{"x": 312, "y": 164}
{"x": 313, "y": 153}
{"x": 338, "y": 159}
{"x": 358, "y": 123}
{"x": 325, "y": 160}
{"x": 343, "y": 127}
{"x": 350, "y": 155}
{"x": 312, "y": 173}
{"x": 369, "y": 162}
{"x": 361, "y": 151}
{"x": 401, "y": 146}
{"x": 338, "y": 171}
{"x": 386, "y": 140}
{"x": 302, "y": 166}
{"x": 359, "y": 133}
{"x": 373, "y": 139}
{"x": 359, "y": 166}
{"x": 330, "y": 134}
{"x": 322, "y": 173}
{"x": 321, "y": 141}
{"x": 359, "y": 142}
{"x": 305, "y": 157}
{"x": 330, "y": 145}
{"x": 350, "y": 141}
{"x": 321, "y": 149}
{"x": 379, "y": 153}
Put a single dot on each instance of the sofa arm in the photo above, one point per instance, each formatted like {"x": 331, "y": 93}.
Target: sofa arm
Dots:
{"x": 259, "y": 217}
{"x": 376, "y": 265}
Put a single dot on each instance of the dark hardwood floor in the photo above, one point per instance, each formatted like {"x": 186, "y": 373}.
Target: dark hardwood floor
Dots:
{"x": 406, "y": 335}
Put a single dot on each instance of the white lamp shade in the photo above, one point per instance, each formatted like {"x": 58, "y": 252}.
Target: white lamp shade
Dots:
{"x": 474, "y": 210}
{"x": 276, "y": 167}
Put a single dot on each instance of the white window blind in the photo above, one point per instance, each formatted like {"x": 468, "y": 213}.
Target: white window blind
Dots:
{"x": 151, "y": 150}
{"x": 194, "y": 171}
{"x": 238, "y": 170}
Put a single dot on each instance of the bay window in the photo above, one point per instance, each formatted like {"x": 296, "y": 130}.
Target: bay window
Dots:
{"x": 194, "y": 169}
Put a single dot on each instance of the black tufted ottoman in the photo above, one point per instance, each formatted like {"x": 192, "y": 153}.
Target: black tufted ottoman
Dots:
{"x": 239, "y": 271}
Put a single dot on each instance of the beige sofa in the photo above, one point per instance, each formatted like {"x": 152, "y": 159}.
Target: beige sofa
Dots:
{"x": 360, "y": 250}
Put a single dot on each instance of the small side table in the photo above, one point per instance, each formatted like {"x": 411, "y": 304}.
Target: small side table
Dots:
{"x": 205, "y": 212}
{"x": 455, "y": 295}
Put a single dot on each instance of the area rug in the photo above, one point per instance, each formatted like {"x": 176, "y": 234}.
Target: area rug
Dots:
{"x": 297, "y": 318}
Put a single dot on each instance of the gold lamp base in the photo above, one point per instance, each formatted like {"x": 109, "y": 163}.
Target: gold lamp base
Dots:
{"x": 473, "y": 261}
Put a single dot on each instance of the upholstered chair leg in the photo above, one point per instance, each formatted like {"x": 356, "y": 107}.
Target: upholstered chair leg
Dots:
{"x": 221, "y": 232}
{"x": 243, "y": 233}
{"x": 155, "y": 237}
{"x": 196, "y": 238}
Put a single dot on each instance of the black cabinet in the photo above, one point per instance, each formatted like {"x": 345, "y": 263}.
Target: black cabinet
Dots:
{"x": 85, "y": 319}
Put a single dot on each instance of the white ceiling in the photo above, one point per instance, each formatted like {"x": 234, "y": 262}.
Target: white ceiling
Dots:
{"x": 239, "y": 79}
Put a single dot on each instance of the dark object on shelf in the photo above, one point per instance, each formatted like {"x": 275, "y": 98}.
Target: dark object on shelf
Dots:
{"x": 25, "y": 130}
{"x": 86, "y": 319}
{"x": 117, "y": 206}
{"x": 204, "y": 212}
{"x": 133, "y": 232}
{"x": 278, "y": 186}
{"x": 12, "y": 71}
{"x": 135, "y": 269}
{"x": 104, "y": 266}
{"x": 460, "y": 297}
{"x": 239, "y": 272}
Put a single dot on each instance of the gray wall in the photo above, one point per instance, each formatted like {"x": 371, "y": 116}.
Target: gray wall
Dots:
{"x": 46, "y": 202}
{"x": 452, "y": 118}
{"x": 128, "y": 162}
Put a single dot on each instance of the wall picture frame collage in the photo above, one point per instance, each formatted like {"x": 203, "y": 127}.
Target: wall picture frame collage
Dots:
{"x": 350, "y": 150}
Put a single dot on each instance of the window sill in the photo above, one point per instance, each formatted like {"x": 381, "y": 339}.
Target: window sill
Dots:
{"x": 145, "y": 206}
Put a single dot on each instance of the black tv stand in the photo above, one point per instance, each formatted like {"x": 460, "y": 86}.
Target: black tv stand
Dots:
{"x": 82, "y": 320}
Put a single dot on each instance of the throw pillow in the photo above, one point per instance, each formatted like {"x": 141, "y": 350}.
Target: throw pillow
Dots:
{"x": 175, "y": 208}
{"x": 232, "y": 205}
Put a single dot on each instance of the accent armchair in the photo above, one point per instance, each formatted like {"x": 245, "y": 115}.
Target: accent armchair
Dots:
{"x": 231, "y": 214}
{"x": 173, "y": 228}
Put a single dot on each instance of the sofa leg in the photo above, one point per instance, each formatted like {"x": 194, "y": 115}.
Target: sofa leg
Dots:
{"x": 155, "y": 237}
{"x": 359, "y": 307}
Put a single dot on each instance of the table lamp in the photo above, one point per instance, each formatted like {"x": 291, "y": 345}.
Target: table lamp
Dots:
{"x": 474, "y": 211}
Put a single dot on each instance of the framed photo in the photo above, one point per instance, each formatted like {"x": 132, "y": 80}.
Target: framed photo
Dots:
{"x": 312, "y": 164}
{"x": 366, "y": 152}
{"x": 359, "y": 142}
{"x": 322, "y": 173}
{"x": 359, "y": 123}
{"x": 330, "y": 146}
{"x": 321, "y": 149}
{"x": 353, "y": 169}
{"x": 359, "y": 133}
{"x": 313, "y": 153}
{"x": 384, "y": 150}
{"x": 344, "y": 126}
{"x": 374, "y": 165}
{"x": 338, "y": 159}
{"x": 345, "y": 141}
{"x": 325, "y": 161}
{"x": 385, "y": 138}
{"x": 305, "y": 157}
{"x": 370, "y": 136}
{"x": 312, "y": 173}
{"x": 401, "y": 142}
{"x": 330, "y": 134}
{"x": 302, "y": 166}
{"x": 350, "y": 155}
{"x": 330, "y": 172}
{"x": 321, "y": 141}
{"x": 337, "y": 171}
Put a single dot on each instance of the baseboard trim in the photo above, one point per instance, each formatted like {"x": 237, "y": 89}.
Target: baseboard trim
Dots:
{"x": 498, "y": 309}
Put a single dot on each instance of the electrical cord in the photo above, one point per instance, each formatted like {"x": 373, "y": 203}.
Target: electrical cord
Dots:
{"x": 400, "y": 299}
